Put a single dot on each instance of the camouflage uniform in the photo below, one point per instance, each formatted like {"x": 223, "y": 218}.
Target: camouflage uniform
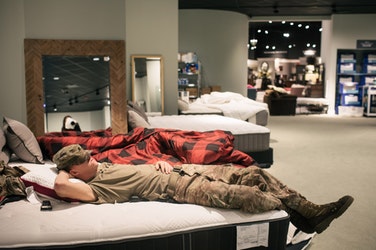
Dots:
{"x": 10, "y": 183}
{"x": 250, "y": 189}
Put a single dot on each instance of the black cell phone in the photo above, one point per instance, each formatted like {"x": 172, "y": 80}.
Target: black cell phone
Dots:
{"x": 46, "y": 206}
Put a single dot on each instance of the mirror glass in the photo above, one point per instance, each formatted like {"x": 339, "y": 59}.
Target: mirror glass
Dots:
{"x": 78, "y": 86}
{"x": 36, "y": 50}
{"x": 147, "y": 83}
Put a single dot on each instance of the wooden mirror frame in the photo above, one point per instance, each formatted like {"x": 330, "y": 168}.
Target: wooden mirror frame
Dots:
{"x": 34, "y": 49}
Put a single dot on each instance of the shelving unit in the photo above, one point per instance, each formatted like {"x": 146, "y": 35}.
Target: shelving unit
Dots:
{"x": 356, "y": 68}
{"x": 189, "y": 78}
{"x": 369, "y": 100}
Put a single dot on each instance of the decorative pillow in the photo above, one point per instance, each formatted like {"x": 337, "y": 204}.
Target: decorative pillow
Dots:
{"x": 136, "y": 108}
{"x": 135, "y": 120}
{"x": 42, "y": 179}
{"x": 4, "y": 152}
{"x": 183, "y": 105}
{"x": 21, "y": 141}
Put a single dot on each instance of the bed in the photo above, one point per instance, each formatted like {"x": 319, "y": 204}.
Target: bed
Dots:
{"x": 133, "y": 225}
{"x": 308, "y": 105}
{"x": 249, "y": 138}
{"x": 228, "y": 104}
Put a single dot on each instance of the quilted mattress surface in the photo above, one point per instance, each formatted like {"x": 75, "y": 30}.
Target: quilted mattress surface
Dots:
{"x": 249, "y": 137}
{"x": 25, "y": 225}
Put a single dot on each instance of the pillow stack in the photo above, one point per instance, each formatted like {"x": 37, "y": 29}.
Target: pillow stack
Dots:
{"x": 137, "y": 116}
{"x": 17, "y": 138}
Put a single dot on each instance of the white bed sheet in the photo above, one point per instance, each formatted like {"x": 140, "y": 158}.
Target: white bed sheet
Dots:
{"x": 232, "y": 105}
{"x": 206, "y": 123}
{"x": 24, "y": 225}
{"x": 312, "y": 101}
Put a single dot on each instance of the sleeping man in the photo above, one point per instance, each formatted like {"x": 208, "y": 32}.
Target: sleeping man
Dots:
{"x": 250, "y": 189}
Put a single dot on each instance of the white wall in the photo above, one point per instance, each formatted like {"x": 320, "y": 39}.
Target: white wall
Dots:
{"x": 152, "y": 29}
{"x": 219, "y": 39}
{"x": 12, "y": 79}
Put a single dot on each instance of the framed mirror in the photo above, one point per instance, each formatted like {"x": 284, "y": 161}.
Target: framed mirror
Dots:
{"x": 148, "y": 83}
{"x": 35, "y": 49}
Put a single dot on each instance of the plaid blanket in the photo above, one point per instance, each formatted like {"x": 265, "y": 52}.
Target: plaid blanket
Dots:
{"x": 147, "y": 146}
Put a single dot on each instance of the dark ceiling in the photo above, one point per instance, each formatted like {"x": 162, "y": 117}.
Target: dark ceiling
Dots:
{"x": 75, "y": 83}
{"x": 264, "y": 8}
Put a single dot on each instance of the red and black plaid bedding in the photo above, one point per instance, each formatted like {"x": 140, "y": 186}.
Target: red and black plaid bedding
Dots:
{"x": 147, "y": 146}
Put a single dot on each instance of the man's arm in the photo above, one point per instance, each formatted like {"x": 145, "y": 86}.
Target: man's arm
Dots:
{"x": 78, "y": 191}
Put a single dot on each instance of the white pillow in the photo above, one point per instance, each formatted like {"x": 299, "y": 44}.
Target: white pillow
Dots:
{"x": 183, "y": 105}
{"x": 42, "y": 179}
{"x": 135, "y": 120}
{"x": 21, "y": 141}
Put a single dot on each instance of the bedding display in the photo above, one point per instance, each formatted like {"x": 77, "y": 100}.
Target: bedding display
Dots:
{"x": 306, "y": 105}
{"x": 248, "y": 137}
{"x": 131, "y": 225}
{"x": 141, "y": 225}
{"x": 149, "y": 145}
{"x": 228, "y": 104}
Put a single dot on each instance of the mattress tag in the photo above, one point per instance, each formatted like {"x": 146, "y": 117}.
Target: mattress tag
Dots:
{"x": 252, "y": 236}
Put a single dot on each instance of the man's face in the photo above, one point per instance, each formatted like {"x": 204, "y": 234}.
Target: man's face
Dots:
{"x": 85, "y": 171}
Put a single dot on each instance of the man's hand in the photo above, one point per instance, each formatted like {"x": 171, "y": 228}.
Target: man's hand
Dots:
{"x": 164, "y": 167}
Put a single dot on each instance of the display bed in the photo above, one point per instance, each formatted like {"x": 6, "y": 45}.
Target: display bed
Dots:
{"x": 228, "y": 104}
{"x": 307, "y": 105}
{"x": 132, "y": 225}
{"x": 248, "y": 137}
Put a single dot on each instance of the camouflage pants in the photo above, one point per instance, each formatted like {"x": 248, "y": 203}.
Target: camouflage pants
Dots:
{"x": 10, "y": 183}
{"x": 250, "y": 189}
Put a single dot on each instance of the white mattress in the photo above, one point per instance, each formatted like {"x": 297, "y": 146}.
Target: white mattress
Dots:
{"x": 24, "y": 225}
{"x": 249, "y": 137}
{"x": 312, "y": 101}
{"x": 260, "y": 118}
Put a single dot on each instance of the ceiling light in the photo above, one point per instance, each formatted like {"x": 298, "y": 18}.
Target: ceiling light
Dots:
{"x": 266, "y": 32}
{"x": 253, "y": 42}
{"x": 309, "y": 52}
{"x": 95, "y": 59}
{"x": 299, "y": 25}
{"x": 56, "y": 78}
{"x": 307, "y": 27}
{"x": 286, "y": 34}
{"x": 291, "y": 23}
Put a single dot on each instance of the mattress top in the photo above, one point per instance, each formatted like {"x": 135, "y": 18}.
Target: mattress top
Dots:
{"x": 25, "y": 225}
{"x": 206, "y": 123}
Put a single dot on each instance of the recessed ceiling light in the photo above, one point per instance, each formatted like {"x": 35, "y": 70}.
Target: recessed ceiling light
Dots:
{"x": 56, "y": 78}
{"x": 96, "y": 59}
{"x": 286, "y": 34}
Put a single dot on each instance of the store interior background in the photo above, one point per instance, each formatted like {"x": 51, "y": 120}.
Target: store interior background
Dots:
{"x": 288, "y": 47}
{"x": 210, "y": 33}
